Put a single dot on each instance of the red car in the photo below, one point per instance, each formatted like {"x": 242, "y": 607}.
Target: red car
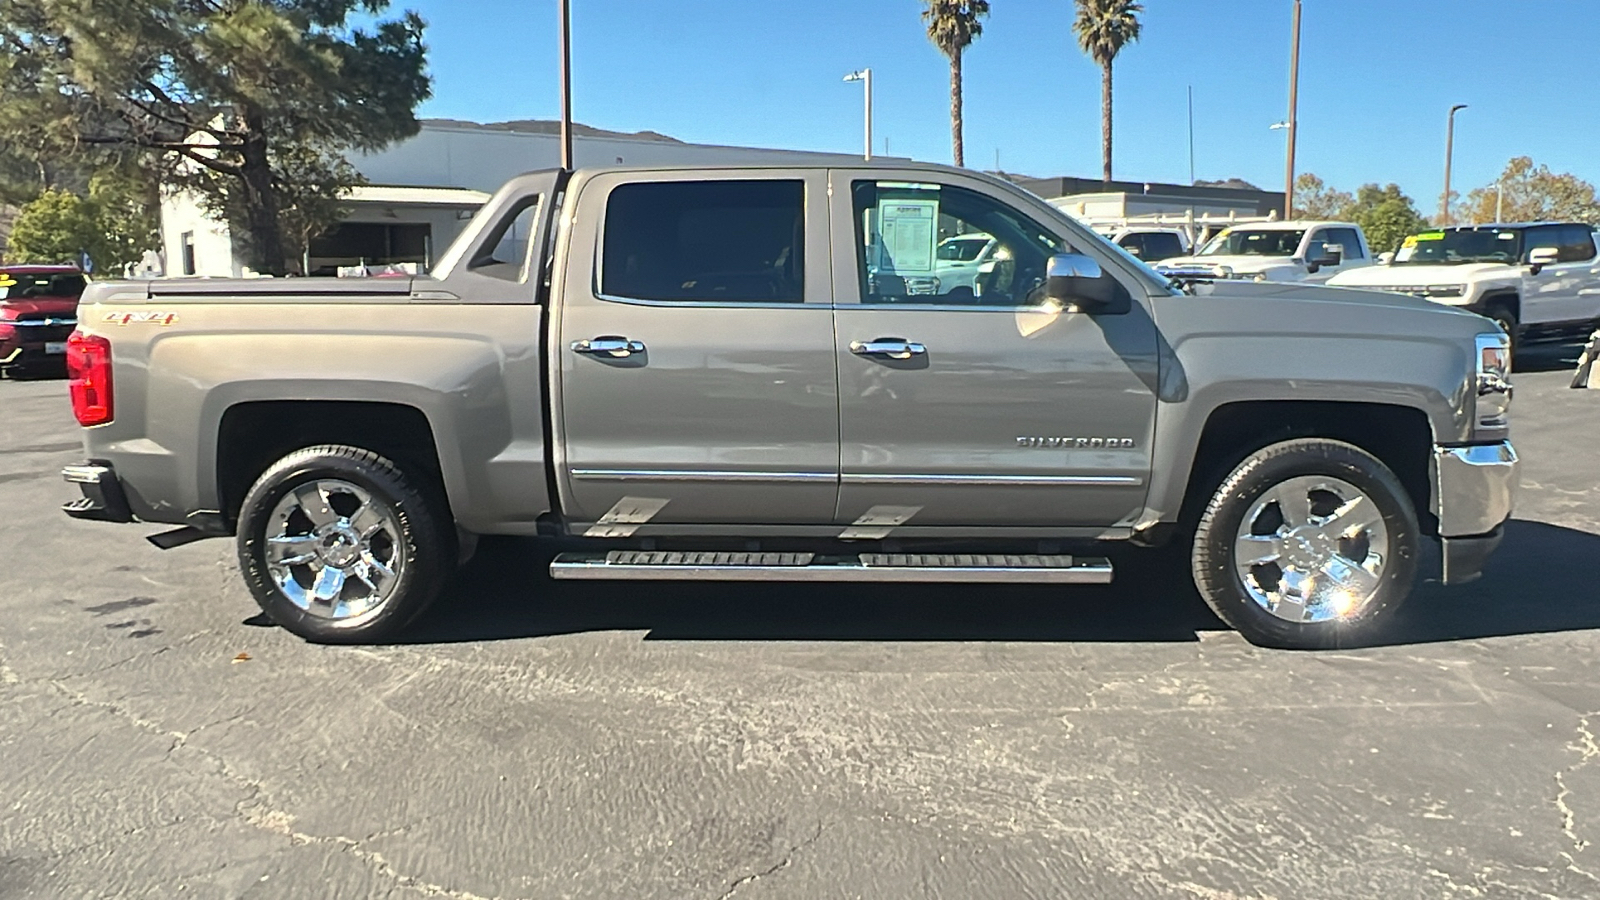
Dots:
{"x": 38, "y": 310}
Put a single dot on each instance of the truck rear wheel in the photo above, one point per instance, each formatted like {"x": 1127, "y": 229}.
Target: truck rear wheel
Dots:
{"x": 338, "y": 546}
{"x": 1309, "y": 543}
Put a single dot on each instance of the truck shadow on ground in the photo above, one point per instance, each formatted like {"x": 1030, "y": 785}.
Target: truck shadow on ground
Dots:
{"x": 1541, "y": 580}
{"x": 1559, "y": 356}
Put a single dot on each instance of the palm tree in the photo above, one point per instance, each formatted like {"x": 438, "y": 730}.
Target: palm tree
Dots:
{"x": 1104, "y": 27}
{"x": 952, "y": 26}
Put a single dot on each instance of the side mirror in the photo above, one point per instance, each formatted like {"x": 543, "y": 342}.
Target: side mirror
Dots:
{"x": 1539, "y": 257}
{"x": 1385, "y": 259}
{"x": 1075, "y": 279}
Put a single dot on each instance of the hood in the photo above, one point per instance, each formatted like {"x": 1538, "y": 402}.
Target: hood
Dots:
{"x": 1247, "y": 265}
{"x": 1297, "y": 294}
{"x": 1422, "y": 276}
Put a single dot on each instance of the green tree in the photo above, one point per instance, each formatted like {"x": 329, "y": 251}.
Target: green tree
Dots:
{"x": 56, "y": 227}
{"x": 1104, "y": 27}
{"x": 952, "y": 26}
{"x": 1533, "y": 194}
{"x": 113, "y": 225}
{"x": 1313, "y": 199}
{"x": 1386, "y": 215}
{"x": 259, "y": 100}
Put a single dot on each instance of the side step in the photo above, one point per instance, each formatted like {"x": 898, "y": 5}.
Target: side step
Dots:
{"x": 639, "y": 565}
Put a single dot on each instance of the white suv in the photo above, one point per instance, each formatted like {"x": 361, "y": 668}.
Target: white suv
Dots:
{"x": 1536, "y": 280}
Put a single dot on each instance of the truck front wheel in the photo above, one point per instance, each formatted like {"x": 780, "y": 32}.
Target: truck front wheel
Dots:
{"x": 338, "y": 546}
{"x": 1309, "y": 543}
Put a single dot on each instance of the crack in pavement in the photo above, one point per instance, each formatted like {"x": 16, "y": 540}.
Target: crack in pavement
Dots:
{"x": 788, "y": 859}
{"x": 257, "y": 809}
{"x": 1589, "y": 748}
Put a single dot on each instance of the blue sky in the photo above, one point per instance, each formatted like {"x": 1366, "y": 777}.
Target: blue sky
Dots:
{"x": 1377, "y": 77}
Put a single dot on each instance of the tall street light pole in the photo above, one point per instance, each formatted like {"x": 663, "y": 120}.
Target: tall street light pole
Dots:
{"x": 566, "y": 84}
{"x": 865, "y": 76}
{"x": 1294, "y": 118}
{"x": 1449, "y": 158}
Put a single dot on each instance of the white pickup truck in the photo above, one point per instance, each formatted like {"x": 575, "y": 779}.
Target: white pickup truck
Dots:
{"x": 1537, "y": 280}
{"x": 1300, "y": 251}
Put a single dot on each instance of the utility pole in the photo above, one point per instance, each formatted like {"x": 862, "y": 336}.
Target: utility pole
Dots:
{"x": 1449, "y": 158}
{"x": 1294, "y": 119}
{"x": 865, "y": 76}
{"x": 1191, "y": 134}
{"x": 566, "y": 84}
{"x": 1500, "y": 201}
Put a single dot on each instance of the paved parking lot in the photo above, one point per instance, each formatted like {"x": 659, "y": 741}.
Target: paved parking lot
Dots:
{"x": 636, "y": 740}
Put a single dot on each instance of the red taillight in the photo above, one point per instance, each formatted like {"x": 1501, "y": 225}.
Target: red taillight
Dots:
{"x": 89, "y": 368}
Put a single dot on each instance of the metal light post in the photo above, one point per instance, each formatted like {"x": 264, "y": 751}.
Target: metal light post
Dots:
{"x": 566, "y": 84}
{"x": 1293, "y": 122}
{"x": 865, "y": 77}
{"x": 1449, "y": 158}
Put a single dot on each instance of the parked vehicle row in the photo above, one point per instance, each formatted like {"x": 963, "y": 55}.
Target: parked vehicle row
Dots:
{"x": 1535, "y": 280}
{"x": 734, "y": 373}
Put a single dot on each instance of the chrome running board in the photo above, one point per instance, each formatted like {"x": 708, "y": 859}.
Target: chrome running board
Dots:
{"x": 638, "y": 565}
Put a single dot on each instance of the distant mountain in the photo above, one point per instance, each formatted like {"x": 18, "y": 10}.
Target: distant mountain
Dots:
{"x": 1235, "y": 183}
{"x": 544, "y": 126}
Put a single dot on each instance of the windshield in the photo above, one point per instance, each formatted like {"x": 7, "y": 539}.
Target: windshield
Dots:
{"x": 963, "y": 249}
{"x": 1242, "y": 242}
{"x": 24, "y": 286}
{"x": 1443, "y": 248}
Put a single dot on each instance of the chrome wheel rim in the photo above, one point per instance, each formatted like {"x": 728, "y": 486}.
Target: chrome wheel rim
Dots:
{"x": 334, "y": 551}
{"x": 1312, "y": 549}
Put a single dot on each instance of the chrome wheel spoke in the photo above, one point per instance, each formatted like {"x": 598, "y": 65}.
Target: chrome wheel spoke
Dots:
{"x": 1256, "y": 549}
{"x": 1353, "y": 517}
{"x": 313, "y": 501}
{"x": 1294, "y": 503}
{"x": 329, "y": 584}
{"x": 368, "y": 521}
{"x": 291, "y": 550}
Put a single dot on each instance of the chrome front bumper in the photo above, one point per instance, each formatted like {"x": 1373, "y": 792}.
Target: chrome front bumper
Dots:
{"x": 1473, "y": 492}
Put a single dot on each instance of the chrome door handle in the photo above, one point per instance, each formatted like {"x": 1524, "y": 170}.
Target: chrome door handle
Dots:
{"x": 888, "y": 348}
{"x": 609, "y": 345}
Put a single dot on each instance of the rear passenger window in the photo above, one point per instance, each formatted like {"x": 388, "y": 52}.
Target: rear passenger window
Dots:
{"x": 730, "y": 241}
{"x": 1152, "y": 246}
{"x": 1577, "y": 243}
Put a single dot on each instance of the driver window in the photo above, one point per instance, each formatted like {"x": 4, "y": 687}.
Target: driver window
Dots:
{"x": 931, "y": 243}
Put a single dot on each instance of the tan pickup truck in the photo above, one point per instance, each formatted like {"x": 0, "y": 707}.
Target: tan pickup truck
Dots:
{"x": 756, "y": 374}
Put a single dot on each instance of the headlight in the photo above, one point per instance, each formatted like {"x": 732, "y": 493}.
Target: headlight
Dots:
{"x": 1493, "y": 379}
{"x": 1444, "y": 290}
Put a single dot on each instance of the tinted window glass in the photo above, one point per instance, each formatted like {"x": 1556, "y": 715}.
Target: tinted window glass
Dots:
{"x": 505, "y": 252}
{"x": 1346, "y": 238}
{"x": 1545, "y": 236}
{"x": 1577, "y": 243}
{"x": 1153, "y": 246}
{"x": 734, "y": 241}
{"x": 901, "y": 227}
{"x": 24, "y": 286}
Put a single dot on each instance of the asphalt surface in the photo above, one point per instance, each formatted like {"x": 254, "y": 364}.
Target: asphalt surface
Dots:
{"x": 541, "y": 740}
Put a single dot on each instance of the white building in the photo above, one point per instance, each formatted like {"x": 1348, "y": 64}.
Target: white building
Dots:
{"x": 422, "y": 191}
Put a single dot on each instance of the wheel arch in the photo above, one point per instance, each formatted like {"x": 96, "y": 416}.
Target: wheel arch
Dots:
{"x": 252, "y": 435}
{"x": 1400, "y": 436}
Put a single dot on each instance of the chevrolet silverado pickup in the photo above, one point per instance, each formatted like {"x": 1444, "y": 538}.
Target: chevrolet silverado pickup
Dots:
{"x": 717, "y": 373}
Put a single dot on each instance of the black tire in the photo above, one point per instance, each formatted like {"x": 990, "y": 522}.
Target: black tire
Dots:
{"x": 1504, "y": 316}
{"x": 425, "y": 546}
{"x": 1224, "y": 589}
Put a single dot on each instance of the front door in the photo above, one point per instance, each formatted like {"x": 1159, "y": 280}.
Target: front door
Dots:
{"x": 980, "y": 407}
{"x": 695, "y": 341}
{"x": 1563, "y": 292}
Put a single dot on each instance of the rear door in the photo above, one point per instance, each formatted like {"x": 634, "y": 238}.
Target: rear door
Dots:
{"x": 993, "y": 408}
{"x": 695, "y": 345}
